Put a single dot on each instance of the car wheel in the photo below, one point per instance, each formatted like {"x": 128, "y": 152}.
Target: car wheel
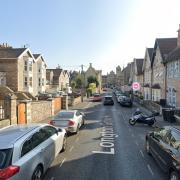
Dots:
{"x": 38, "y": 173}
{"x": 64, "y": 143}
{"x": 83, "y": 122}
{"x": 147, "y": 147}
{"x": 77, "y": 130}
{"x": 173, "y": 176}
{"x": 132, "y": 122}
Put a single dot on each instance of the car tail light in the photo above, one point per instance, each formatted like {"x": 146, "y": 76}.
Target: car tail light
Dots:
{"x": 51, "y": 122}
{"x": 71, "y": 123}
{"x": 8, "y": 172}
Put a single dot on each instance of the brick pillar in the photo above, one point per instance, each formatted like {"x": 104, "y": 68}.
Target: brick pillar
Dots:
{"x": 28, "y": 111}
{"x": 52, "y": 106}
{"x": 65, "y": 102}
{"x": 13, "y": 109}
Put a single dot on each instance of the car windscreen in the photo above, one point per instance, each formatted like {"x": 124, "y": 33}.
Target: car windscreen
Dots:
{"x": 65, "y": 115}
{"x": 5, "y": 157}
{"x": 108, "y": 98}
{"x": 96, "y": 95}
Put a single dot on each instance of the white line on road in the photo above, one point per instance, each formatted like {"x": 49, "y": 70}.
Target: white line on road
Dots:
{"x": 71, "y": 148}
{"x": 150, "y": 170}
{"x": 62, "y": 162}
{"x": 137, "y": 143}
{"x": 52, "y": 178}
{"x": 142, "y": 154}
{"x": 77, "y": 139}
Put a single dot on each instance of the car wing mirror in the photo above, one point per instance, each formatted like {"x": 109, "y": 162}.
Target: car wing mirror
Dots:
{"x": 59, "y": 130}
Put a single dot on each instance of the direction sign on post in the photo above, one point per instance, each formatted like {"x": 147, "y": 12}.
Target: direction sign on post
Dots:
{"x": 136, "y": 86}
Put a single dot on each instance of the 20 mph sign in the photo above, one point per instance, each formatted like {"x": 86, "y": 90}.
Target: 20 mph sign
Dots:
{"x": 136, "y": 86}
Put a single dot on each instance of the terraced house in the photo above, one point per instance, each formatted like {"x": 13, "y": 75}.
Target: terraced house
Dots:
{"x": 18, "y": 70}
{"x": 162, "y": 47}
{"x": 147, "y": 74}
{"x": 173, "y": 75}
{"x": 57, "y": 79}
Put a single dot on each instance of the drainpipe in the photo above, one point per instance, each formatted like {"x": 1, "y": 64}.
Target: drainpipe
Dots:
{"x": 165, "y": 81}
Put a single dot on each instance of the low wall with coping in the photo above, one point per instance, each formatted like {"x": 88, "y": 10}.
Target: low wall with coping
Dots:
{"x": 40, "y": 110}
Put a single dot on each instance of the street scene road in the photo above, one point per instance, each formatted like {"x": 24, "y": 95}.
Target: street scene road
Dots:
{"x": 106, "y": 148}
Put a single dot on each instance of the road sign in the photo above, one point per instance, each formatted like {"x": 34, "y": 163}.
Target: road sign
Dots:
{"x": 136, "y": 86}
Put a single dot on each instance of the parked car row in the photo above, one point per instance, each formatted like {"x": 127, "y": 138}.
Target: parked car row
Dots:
{"x": 45, "y": 96}
{"x": 123, "y": 99}
{"x": 27, "y": 151}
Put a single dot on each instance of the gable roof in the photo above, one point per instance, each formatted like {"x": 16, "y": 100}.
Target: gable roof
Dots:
{"x": 11, "y": 53}
{"x": 150, "y": 51}
{"x": 36, "y": 55}
{"x": 166, "y": 45}
{"x": 174, "y": 54}
{"x": 139, "y": 64}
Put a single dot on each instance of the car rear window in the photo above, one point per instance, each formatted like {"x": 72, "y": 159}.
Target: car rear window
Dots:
{"x": 96, "y": 95}
{"x": 65, "y": 115}
{"x": 5, "y": 157}
{"x": 108, "y": 98}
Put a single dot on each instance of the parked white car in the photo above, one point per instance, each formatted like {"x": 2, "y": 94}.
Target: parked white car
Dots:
{"x": 27, "y": 151}
{"x": 71, "y": 120}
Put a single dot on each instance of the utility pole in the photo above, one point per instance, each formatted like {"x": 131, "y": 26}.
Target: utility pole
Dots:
{"x": 83, "y": 83}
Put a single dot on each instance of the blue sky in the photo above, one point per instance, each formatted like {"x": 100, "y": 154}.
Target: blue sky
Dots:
{"x": 105, "y": 33}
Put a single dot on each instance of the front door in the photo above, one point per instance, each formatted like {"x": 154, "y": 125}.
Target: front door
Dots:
{"x": 21, "y": 113}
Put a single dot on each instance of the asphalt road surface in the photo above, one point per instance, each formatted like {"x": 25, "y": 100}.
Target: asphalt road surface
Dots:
{"x": 106, "y": 148}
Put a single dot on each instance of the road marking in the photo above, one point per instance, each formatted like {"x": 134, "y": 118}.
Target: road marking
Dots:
{"x": 142, "y": 154}
{"x": 52, "y": 178}
{"x": 137, "y": 143}
{"x": 150, "y": 170}
{"x": 77, "y": 139}
{"x": 62, "y": 162}
{"x": 71, "y": 148}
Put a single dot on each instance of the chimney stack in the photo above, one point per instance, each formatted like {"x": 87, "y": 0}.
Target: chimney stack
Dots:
{"x": 178, "y": 39}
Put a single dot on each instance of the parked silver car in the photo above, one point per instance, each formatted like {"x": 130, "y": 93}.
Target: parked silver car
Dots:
{"x": 27, "y": 151}
{"x": 71, "y": 120}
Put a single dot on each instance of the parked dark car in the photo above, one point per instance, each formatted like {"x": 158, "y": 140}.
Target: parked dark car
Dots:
{"x": 44, "y": 96}
{"x": 108, "y": 100}
{"x": 164, "y": 145}
{"x": 125, "y": 101}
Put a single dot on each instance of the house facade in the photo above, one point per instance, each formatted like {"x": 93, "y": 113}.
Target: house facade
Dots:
{"x": 111, "y": 78}
{"x": 39, "y": 73}
{"x": 147, "y": 74}
{"x": 94, "y": 73}
{"x": 119, "y": 76}
{"x": 173, "y": 75}
{"x": 162, "y": 48}
{"x": 57, "y": 80}
{"x": 17, "y": 69}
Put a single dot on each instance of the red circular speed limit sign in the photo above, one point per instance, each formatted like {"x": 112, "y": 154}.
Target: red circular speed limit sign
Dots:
{"x": 136, "y": 86}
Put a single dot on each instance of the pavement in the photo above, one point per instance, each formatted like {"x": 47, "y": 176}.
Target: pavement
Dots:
{"x": 159, "y": 119}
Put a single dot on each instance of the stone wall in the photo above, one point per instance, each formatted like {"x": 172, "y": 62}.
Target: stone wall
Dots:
{"x": 9, "y": 66}
{"x": 41, "y": 110}
{"x": 4, "y": 122}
